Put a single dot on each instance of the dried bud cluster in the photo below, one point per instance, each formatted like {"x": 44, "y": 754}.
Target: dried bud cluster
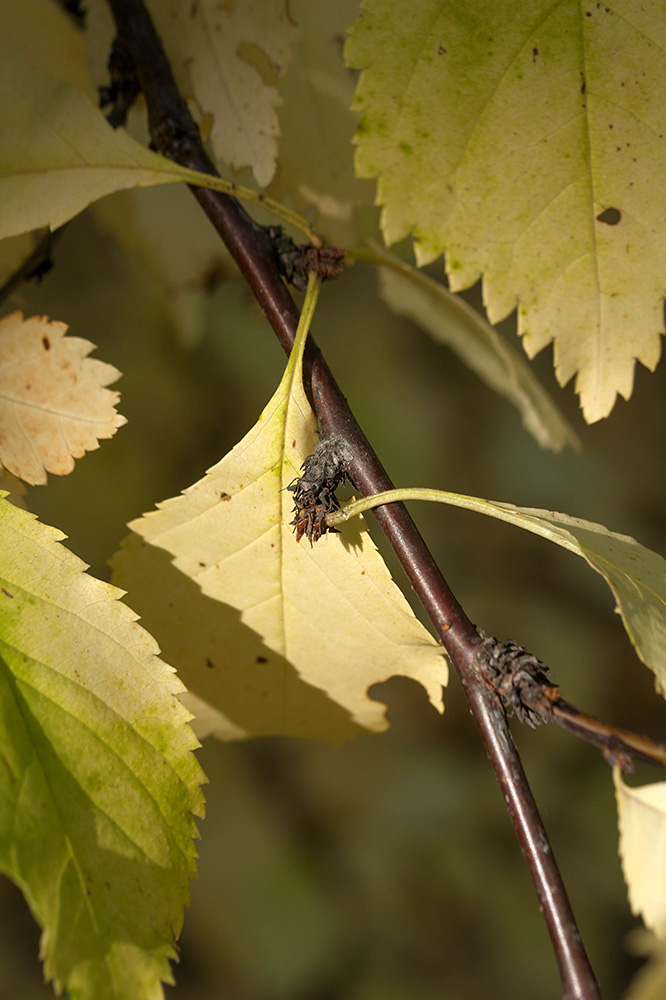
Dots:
{"x": 314, "y": 492}
{"x": 295, "y": 261}
{"x": 520, "y": 679}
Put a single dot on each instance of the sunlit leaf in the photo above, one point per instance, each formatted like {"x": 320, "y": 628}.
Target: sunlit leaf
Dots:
{"x": 98, "y": 782}
{"x": 524, "y": 147}
{"x": 642, "y": 819}
{"x": 277, "y": 636}
{"x": 53, "y": 402}
{"x": 453, "y": 322}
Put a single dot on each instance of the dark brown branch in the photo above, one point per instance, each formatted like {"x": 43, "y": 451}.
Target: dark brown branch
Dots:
{"x": 174, "y": 133}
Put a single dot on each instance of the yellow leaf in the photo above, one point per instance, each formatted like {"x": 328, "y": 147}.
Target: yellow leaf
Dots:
{"x": 642, "y": 820}
{"x": 53, "y": 402}
{"x": 278, "y": 637}
{"x": 210, "y": 46}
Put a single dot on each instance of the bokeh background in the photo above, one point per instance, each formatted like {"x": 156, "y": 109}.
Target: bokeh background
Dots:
{"x": 385, "y": 869}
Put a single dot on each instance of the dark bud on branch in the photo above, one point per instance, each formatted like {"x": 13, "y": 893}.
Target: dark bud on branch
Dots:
{"x": 295, "y": 262}
{"x": 314, "y": 492}
{"x": 519, "y": 678}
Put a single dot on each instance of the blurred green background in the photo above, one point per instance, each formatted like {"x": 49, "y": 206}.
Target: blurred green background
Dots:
{"x": 386, "y": 869}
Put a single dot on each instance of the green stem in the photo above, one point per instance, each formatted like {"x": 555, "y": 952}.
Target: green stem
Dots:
{"x": 254, "y": 198}
{"x": 305, "y": 320}
{"x": 504, "y": 512}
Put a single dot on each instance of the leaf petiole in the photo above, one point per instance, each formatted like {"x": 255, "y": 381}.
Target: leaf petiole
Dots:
{"x": 504, "y": 512}
{"x": 276, "y": 208}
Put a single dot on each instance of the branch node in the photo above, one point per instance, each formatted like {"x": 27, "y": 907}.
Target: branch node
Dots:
{"x": 519, "y": 678}
{"x": 314, "y": 492}
{"x": 295, "y": 261}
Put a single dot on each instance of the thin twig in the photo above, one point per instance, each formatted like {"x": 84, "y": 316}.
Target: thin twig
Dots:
{"x": 174, "y": 134}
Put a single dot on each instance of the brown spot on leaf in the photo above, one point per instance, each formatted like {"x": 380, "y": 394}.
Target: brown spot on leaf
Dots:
{"x": 209, "y": 663}
{"x": 610, "y": 216}
{"x": 262, "y": 659}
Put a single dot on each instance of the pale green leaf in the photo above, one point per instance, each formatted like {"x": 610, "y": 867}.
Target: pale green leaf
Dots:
{"x": 54, "y": 404}
{"x": 99, "y": 781}
{"x": 642, "y": 821}
{"x": 526, "y": 148}
{"x": 453, "y": 322}
{"x": 276, "y": 636}
{"x": 58, "y": 153}
{"x": 636, "y": 575}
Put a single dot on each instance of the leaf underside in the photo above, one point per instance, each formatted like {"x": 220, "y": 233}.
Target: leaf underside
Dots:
{"x": 525, "y": 149}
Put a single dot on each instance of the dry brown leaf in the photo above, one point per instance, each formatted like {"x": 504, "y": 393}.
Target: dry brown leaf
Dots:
{"x": 53, "y": 402}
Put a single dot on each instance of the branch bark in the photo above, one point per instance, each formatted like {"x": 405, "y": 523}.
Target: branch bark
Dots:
{"x": 174, "y": 133}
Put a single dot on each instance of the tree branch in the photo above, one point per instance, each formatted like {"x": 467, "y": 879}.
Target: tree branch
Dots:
{"x": 174, "y": 133}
